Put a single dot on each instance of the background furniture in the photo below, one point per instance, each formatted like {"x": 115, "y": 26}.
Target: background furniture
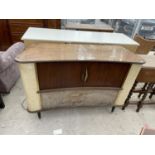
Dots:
{"x": 8, "y": 69}
{"x": 147, "y": 76}
{"x": 146, "y": 45}
{"x": 89, "y": 27}
{"x": 11, "y": 30}
{"x": 63, "y": 73}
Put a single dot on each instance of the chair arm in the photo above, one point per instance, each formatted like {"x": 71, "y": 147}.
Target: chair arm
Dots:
{"x": 15, "y": 49}
{"x": 8, "y": 57}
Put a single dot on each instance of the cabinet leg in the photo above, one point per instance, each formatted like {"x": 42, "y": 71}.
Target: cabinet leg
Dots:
{"x": 150, "y": 97}
{"x": 153, "y": 89}
{"x": 2, "y": 105}
{"x": 124, "y": 106}
{"x": 39, "y": 115}
{"x": 113, "y": 108}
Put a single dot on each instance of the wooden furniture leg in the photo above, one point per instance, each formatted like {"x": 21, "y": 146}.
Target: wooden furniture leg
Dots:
{"x": 144, "y": 88}
{"x": 129, "y": 96}
{"x": 153, "y": 92}
{"x": 113, "y": 108}
{"x": 2, "y": 105}
{"x": 140, "y": 103}
{"x": 39, "y": 115}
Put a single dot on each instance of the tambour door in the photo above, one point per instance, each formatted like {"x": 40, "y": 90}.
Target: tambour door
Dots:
{"x": 54, "y": 75}
{"x": 105, "y": 74}
{"x": 81, "y": 74}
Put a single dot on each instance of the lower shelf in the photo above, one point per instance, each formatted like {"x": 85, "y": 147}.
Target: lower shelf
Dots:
{"x": 78, "y": 97}
{"x": 78, "y": 88}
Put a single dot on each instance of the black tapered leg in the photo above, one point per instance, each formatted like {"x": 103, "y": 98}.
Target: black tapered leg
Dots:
{"x": 113, "y": 108}
{"x": 150, "y": 97}
{"x": 39, "y": 115}
{"x": 140, "y": 103}
{"x": 144, "y": 88}
{"x": 126, "y": 103}
{"x": 153, "y": 92}
{"x": 2, "y": 105}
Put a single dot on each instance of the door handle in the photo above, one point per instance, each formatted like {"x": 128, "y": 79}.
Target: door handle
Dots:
{"x": 85, "y": 75}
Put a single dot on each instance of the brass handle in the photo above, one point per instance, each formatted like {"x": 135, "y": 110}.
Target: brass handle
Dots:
{"x": 85, "y": 75}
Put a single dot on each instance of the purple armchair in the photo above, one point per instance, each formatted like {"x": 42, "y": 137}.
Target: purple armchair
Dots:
{"x": 9, "y": 72}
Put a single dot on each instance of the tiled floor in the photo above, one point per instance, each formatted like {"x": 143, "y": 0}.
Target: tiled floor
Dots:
{"x": 96, "y": 120}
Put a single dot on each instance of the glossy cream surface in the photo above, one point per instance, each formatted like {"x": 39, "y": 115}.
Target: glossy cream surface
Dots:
{"x": 73, "y": 36}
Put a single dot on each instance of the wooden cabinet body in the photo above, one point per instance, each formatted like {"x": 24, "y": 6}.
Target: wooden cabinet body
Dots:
{"x": 81, "y": 74}
{"x": 11, "y": 30}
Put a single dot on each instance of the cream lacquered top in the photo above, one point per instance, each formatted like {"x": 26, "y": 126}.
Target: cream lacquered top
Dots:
{"x": 58, "y": 35}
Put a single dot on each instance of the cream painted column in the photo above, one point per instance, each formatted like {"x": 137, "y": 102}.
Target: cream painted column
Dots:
{"x": 31, "y": 86}
{"x": 127, "y": 85}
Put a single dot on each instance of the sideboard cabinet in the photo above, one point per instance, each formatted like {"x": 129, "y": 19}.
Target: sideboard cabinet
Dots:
{"x": 63, "y": 68}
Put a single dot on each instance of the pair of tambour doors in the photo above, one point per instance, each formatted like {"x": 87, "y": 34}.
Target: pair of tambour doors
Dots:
{"x": 52, "y": 75}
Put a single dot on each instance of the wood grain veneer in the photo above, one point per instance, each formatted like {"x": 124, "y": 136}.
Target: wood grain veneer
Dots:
{"x": 69, "y": 74}
{"x": 146, "y": 75}
{"x": 47, "y": 52}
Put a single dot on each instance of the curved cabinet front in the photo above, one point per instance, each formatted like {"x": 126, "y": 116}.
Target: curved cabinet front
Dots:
{"x": 54, "y": 75}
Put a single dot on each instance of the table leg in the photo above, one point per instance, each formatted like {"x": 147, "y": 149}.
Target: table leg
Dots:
{"x": 153, "y": 89}
{"x": 126, "y": 103}
{"x": 144, "y": 88}
{"x": 140, "y": 103}
{"x": 2, "y": 105}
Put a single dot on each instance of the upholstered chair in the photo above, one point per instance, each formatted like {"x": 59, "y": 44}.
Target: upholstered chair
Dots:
{"x": 9, "y": 72}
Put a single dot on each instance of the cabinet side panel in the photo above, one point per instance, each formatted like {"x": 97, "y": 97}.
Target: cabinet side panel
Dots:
{"x": 30, "y": 83}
